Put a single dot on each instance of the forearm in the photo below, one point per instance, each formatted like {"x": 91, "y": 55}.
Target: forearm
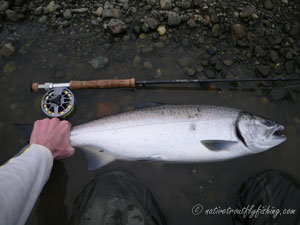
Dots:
{"x": 21, "y": 181}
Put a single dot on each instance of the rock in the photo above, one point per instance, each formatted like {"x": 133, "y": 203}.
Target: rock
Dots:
{"x": 152, "y": 23}
{"x": 278, "y": 93}
{"x": 214, "y": 18}
{"x": 38, "y": 11}
{"x": 294, "y": 32}
{"x": 3, "y": 5}
{"x": 8, "y": 50}
{"x": 274, "y": 56}
{"x": 198, "y": 3}
{"x": 237, "y": 32}
{"x": 136, "y": 61}
{"x": 259, "y": 51}
{"x": 96, "y": 22}
{"x": 173, "y": 19}
{"x": 107, "y": 109}
{"x": 67, "y": 14}
{"x": 285, "y": 2}
{"x": 289, "y": 67}
{"x": 183, "y": 62}
{"x": 185, "y": 42}
{"x": 190, "y": 72}
{"x": 161, "y": 30}
{"x": 111, "y": 13}
{"x": 13, "y": 16}
{"x": 210, "y": 74}
{"x": 51, "y": 7}
{"x": 262, "y": 70}
{"x": 80, "y": 10}
{"x": 228, "y": 62}
{"x": 191, "y": 23}
{"x": 43, "y": 19}
{"x": 99, "y": 62}
{"x": 147, "y": 8}
{"x": 268, "y": 4}
{"x": 186, "y": 4}
{"x": 151, "y": 2}
{"x": 9, "y": 67}
{"x": 136, "y": 29}
{"x": 145, "y": 28}
{"x": 166, "y": 4}
{"x": 289, "y": 55}
{"x": 247, "y": 11}
{"x": 216, "y": 30}
{"x": 147, "y": 65}
{"x": 98, "y": 12}
{"x": 116, "y": 26}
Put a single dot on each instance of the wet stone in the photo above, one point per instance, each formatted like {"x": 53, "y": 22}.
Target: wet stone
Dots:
{"x": 147, "y": 65}
{"x": 51, "y": 7}
{"x": 145, "y": 28}
{"x": 152, "y": 23}
{"x": 214, "y": 18}
{"x": 228, "y": 62}
{"x": 183, "y": 62}
{"x": 173, "y": 19}
{"x": 237, "y": 32}
{"x": 190, "y": 72}
{"x": 260, "y": 52}
{"x": 262, "y": 70}
{"x": 289, "y": 67}
{"x": 279, "y": 93}
{"x": 111, "y": 13}
{"x": 166, "y": 4}
{"x": 268, "y": 4}
{"x": 151, "y": 2}
{"x": 210, "y": 74}
{"x": 3, "y": 5}
{"x": 38, "y": 11}
{"x": 13, "y": 16}
{"x": 191, "y": 23}
{"x": 8, "y": 50}
{"x": 99, "y": 62}
{"x": 136, "y": 61}
{"x": 67, "y": 14}
{"x": 295, "y": 30}
{"x": 216, "y": 30}
{"x": 116, "y": 26}
{"x": 43, "y": 19}
{"x": 186, "y": 4}
{"x": 98, "y": 12}
{"x": 247, "y": 11}
{"x": 274, "y": 56}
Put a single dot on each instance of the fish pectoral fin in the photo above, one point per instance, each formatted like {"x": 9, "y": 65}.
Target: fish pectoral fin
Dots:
{"x": 217, "y": 145}
{"x": 96, "y": 158}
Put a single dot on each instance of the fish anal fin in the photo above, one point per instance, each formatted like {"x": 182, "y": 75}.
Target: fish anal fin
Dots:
{"x": 218, "y": 145}
{"x": 96, "y": 158}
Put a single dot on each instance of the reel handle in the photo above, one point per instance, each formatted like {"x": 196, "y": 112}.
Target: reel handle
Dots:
{"x": 122, "y": 83}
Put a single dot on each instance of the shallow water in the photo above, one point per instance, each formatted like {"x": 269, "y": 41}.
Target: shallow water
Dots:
{"x": 48, "y": 56}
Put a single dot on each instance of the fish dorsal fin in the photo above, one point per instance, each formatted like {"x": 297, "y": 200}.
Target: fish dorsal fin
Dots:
{"x": 96, "y": 158}
{"x": 218, "y": 145}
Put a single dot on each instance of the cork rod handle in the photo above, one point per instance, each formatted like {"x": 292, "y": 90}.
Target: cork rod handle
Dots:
{"x": 124, "y": 83}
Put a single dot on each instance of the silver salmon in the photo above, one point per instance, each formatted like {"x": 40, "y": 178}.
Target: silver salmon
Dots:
{"x": 176, "y": 133}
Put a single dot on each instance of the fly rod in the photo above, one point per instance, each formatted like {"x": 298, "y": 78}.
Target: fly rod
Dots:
{"x": 59, "y": 100}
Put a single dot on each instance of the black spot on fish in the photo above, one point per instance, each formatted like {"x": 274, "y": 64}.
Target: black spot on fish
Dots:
{"x": 193, "y": 127}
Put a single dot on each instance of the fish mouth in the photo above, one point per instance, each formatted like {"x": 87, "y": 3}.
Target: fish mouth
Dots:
{"x": 278, "y": 133}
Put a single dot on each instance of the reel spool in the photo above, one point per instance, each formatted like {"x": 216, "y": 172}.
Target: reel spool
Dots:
{"x": 58, "y": 102}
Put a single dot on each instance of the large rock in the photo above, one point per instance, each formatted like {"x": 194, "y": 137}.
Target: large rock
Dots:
{"x": 152, "y": 23}
{"x": 111, "y": 13}
{"x": 99, "y": 62}
{"x": 13, "y": 16}
{"x": 8, "y": 50}
{"x": 166, "y": 4}
{"x": 3, "y": 6}
{"x": 247, "y": 11}
{"x": 51, "y": 7}
{"x": 237, "y": 32}
{"x": 262, "y": 70}
{"x": 67, "y": 14}
{"x": 186, "y": 4}
{"x": 173, "y": 19}
{"x": 116, "y": 26}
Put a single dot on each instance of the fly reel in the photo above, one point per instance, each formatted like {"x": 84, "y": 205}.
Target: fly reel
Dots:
{"x": 58, "y": 102}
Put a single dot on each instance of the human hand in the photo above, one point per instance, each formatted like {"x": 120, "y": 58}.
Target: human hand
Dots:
{"x": 54, "y": 135}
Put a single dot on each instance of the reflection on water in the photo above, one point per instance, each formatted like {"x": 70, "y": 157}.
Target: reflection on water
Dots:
{"x": 51, "y": 57}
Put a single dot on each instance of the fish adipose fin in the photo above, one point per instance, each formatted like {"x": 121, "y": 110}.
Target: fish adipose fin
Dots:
{"x": 218, "y": 145}
{"x": 97, "y": 158}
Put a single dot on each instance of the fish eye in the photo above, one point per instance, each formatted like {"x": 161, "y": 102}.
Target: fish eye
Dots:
{"x": 269, "y": 123}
